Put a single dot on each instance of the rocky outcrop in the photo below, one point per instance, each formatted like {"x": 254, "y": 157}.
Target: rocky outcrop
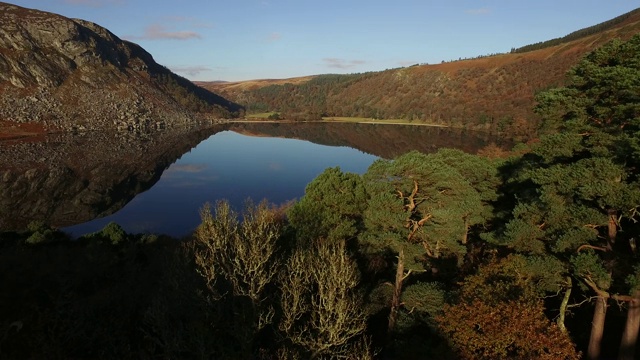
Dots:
{"x": 70, "y": 73}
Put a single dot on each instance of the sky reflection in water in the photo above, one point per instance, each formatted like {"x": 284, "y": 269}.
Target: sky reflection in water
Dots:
{"x": 228, "y": 166}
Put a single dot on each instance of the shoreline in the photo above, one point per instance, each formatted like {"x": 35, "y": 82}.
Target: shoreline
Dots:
{"x": 342, "y": 121}
{"x": 11, "y": 132}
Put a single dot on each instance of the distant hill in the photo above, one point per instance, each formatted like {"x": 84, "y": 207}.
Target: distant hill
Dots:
{"x": 591, "y": 30}
{"x": 70, "y": 73}
{"x": 492, "y": 93}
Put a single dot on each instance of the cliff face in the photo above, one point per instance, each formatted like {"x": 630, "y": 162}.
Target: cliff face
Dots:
{"x": 71, "y": 73}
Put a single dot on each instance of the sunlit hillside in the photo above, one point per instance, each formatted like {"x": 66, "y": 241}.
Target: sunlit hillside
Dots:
{"x": 493, "y": 93}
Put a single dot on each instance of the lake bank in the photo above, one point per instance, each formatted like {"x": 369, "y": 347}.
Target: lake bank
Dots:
{"x": 264, "y": 118}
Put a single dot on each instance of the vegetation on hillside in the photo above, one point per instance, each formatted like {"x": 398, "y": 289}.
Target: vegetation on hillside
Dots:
{"x": 495, "y": 93}
{"x": 591, "y": 30}
{"x": 446, "y": 255}
{"x": 305, "y": 101}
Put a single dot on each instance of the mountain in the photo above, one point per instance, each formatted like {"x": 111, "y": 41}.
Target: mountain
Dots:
{"x": 493, "y": 93}
{"x": 69, "y": 73}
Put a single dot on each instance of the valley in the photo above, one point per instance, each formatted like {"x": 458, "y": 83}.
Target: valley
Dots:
{"x": 490, "y": 93}
{"x": 480, "y": 208}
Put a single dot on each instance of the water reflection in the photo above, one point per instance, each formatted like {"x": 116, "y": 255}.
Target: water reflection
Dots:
{"x": 156, "y": 182}
{"x": 231, "y": 166}
{"x": 73, "y": 178}
{"x": 386, "y": 141}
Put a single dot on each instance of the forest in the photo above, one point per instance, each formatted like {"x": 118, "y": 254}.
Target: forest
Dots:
{"x": 447, "y": 256}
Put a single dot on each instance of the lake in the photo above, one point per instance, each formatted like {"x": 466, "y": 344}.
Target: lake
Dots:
{"x": 228, "y": 166}
{"x": 156, "y": 182}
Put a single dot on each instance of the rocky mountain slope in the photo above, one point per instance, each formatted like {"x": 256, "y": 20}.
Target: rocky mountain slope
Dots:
{"x": 70, "y": 73}
{"x": 494, "y": 93}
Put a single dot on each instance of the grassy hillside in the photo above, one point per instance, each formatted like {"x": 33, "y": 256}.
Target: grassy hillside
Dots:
{"x": 488, "y": 93}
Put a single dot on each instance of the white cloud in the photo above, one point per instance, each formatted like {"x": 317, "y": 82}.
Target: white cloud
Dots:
{"x": 274, "y": 166}
{"x": 190, "y": 70}
{"x": 160, "y": 32}
{"x": 274, "y": 36}
{"x": 188, "y": 168}
{"x": 342, "y": 63}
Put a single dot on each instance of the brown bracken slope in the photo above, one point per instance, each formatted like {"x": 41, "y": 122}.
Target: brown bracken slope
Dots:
{"x": 488, "y": 93}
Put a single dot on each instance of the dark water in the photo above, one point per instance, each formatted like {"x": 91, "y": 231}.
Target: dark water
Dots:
{"x": 156, "y": 182}
{"x": 228, "y": 166}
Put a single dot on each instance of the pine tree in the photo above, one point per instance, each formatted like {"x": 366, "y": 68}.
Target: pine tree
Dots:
{"x": 578, "y": 187}
{"x": 331, "y": 208}
{"x": 420, "y": 208}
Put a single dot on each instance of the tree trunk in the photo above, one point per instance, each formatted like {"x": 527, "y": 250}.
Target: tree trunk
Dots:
{"x": 563, "y": 306}
{"x": 397, "y": 291}
{"x": 465, "y": 236}
{"x": 597, "y": 328}
{"x": 630, "y": 335}
{"x": 612, "y": 228}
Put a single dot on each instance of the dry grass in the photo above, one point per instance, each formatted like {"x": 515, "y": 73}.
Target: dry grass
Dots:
{"x": 259, "y": 115}
{"x": 347, "y": 119}
{"x": 217, "y": 86}
{"x": 363, "y": 120}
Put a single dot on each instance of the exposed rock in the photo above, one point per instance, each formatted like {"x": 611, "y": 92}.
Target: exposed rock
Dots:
{"x": 74, "y": 74}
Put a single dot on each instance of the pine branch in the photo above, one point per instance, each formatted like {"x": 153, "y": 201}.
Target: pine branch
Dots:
{"x": 586, "y": 246}
{"x": 604, "y": 294}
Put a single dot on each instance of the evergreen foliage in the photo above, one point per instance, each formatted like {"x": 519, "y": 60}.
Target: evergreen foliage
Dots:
{"x": 331, "y": 209}
{"x": 112, "y": 233}
{"x": 578, "y": 190}
{"x": 421, "y": 202}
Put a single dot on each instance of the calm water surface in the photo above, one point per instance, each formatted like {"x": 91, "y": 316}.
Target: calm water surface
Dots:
{"x": 228, "y": 166}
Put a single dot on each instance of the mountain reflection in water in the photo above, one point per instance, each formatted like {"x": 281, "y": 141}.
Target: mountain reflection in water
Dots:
{"x": 134, "y": 179}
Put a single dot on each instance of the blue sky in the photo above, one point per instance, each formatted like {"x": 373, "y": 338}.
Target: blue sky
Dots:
{"x": 257, "y": 39}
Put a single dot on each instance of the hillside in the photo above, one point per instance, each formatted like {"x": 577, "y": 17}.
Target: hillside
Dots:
{"x": 488, "y": 93}
{"x": 73, "y": 74}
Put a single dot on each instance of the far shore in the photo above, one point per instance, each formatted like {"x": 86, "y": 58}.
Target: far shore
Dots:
{"x": 11, "y": 131}
{"x": 261, "y": 119}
